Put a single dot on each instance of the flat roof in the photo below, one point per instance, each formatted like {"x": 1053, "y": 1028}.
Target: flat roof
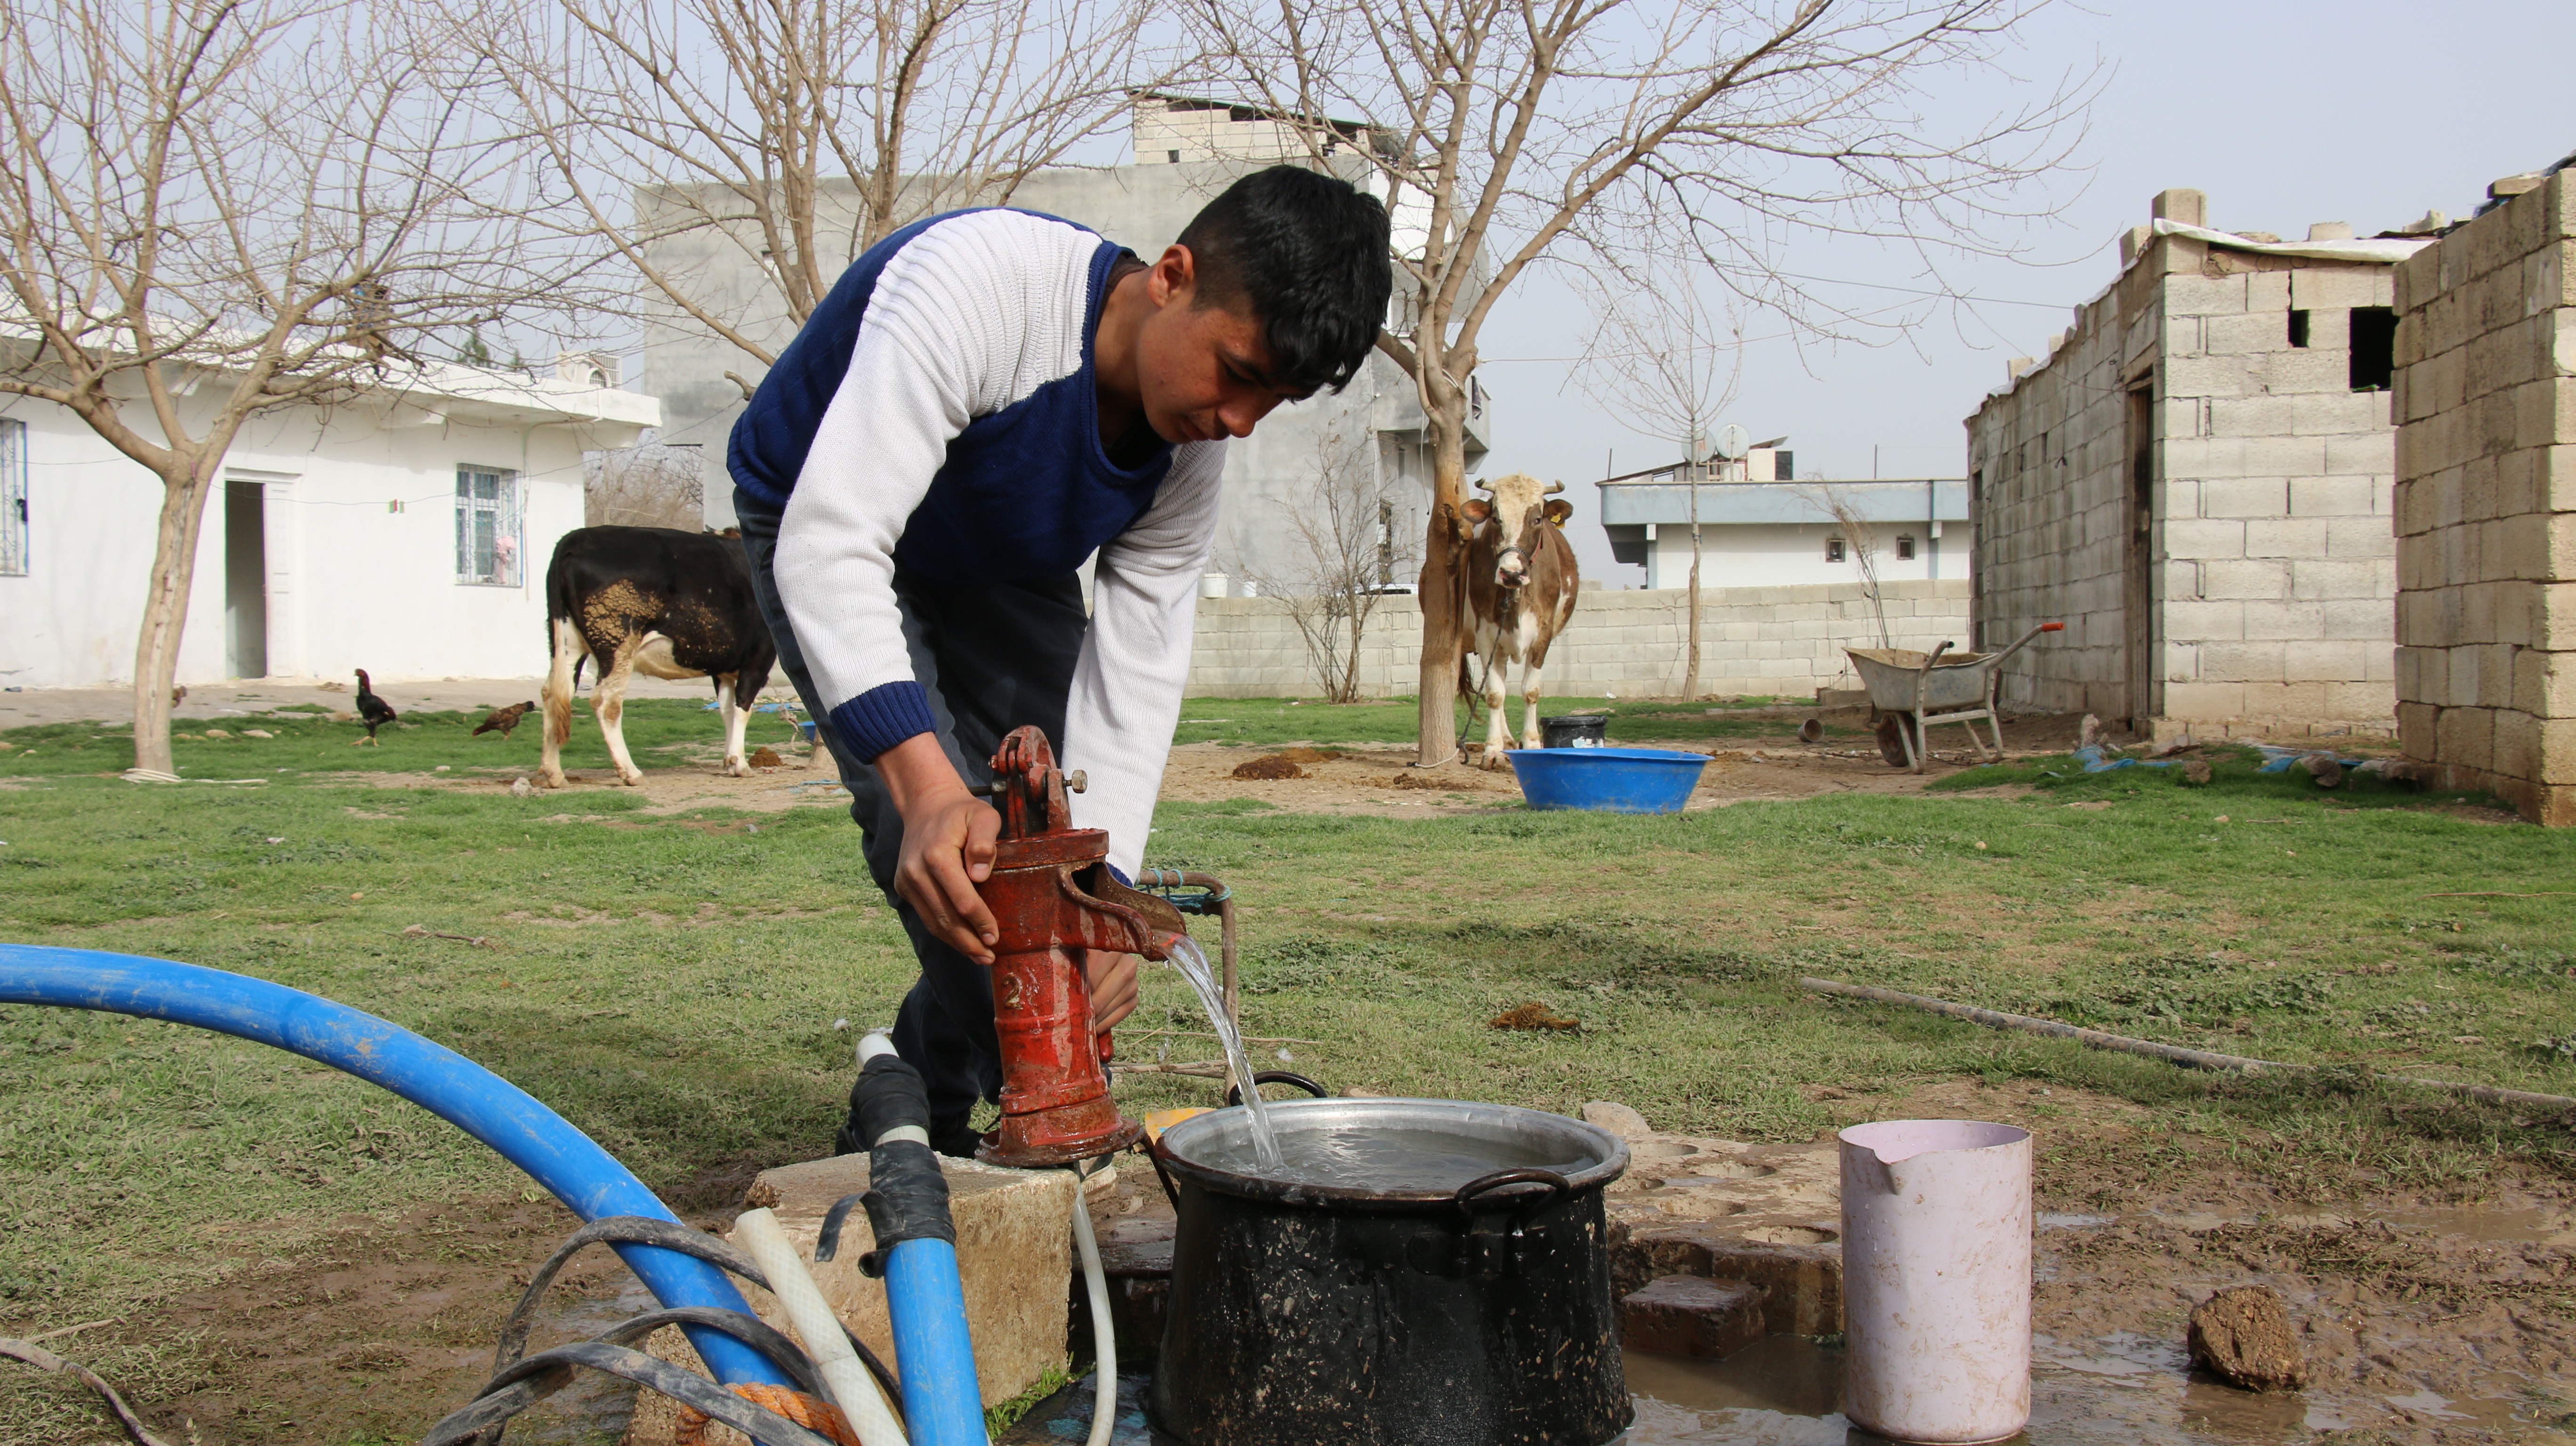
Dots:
{"x": 1626, "y": 503}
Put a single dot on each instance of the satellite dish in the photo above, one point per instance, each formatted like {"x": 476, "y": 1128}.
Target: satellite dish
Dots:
{"x": 1699, "y": 453}
{"x": 1732, "y": 441}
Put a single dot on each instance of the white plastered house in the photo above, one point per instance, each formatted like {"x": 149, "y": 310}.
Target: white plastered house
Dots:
{"x": 406, "y": 533}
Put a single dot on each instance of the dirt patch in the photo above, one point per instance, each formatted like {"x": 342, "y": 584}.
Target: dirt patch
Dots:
{"x": 1381, "y": 779}
{"x": 371, "y": 1329}
{"x": 666, "y": 789}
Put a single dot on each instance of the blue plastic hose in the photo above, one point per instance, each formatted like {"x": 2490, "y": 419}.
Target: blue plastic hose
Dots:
{"x": 943, "y": 1402}
{"x": 585, "y": 1177}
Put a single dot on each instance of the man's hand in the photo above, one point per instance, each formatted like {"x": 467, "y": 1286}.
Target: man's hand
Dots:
{"x": 948, "y": 838}
{"x": 1112, "y": 978}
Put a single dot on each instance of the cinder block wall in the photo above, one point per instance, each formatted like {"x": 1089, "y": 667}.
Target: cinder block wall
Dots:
{"x": 2047, "y": 485}
{"x": 2270, "y": 574}
{"x": 2279, "y": 569}
{"x": 2486, "y": 502}
{"x": 1753, "y": 640}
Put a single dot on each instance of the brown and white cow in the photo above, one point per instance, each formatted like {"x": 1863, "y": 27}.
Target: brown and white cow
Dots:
{"x": 1521, "y": 582}
{"x": 656, "y": 601}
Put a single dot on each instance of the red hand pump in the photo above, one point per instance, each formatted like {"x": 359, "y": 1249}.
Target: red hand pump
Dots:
{"x": 1052, "y": 895}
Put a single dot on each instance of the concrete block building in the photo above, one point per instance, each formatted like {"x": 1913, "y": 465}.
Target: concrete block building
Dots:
{"x": 2198, "y": 481}
{"x": 1183, "y": 151}
{"x": 2486, "y": 499}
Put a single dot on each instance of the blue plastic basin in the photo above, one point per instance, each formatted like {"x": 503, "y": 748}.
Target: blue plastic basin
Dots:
{"x": 1607, "y": 780}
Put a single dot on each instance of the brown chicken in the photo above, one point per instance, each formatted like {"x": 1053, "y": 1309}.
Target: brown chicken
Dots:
{"x": 373, "y": 711}
{"x": 504, "y": 719}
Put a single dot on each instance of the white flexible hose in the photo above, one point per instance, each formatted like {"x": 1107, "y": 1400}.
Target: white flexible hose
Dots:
{"x": 852, "y": 1388}
{"x": 1104, "y": 1337}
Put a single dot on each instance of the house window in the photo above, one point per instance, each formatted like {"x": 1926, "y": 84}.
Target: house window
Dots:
{"x": 13, "y": 498}
{"x": 1904, "y": 547}
{"x": 2298, "y": 328}
{"x": 1833, "y": 549}
{"x": 487, "y": 526}
{"x": 2374, "y": 348}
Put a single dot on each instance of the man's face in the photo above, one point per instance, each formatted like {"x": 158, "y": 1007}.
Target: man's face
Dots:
{"x": 1201, "y": 371}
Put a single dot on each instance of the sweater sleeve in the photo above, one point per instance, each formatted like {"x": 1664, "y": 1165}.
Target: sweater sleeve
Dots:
{"x": 1126, "y": 695}
{"x": 958, "y": 318}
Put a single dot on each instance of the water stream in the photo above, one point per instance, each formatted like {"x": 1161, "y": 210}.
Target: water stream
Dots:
{"x": 1194, "y": 967}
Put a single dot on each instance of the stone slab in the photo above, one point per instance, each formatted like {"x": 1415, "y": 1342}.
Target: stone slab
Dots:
{"x": 1683, "y": 1315}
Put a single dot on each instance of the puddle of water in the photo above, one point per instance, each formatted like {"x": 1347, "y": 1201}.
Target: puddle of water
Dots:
{"x": 2121, "y": 1390}
{"x": 2525, "y": 1225}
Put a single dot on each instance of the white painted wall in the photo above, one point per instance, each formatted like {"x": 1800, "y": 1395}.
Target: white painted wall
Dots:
{"x": 1769, "y": 554}
{"x": 350, "y": 583}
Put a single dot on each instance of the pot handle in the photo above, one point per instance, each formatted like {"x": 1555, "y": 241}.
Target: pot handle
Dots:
{"x": 1558, "y": 1187}
{"x": 1234, "y": 1093}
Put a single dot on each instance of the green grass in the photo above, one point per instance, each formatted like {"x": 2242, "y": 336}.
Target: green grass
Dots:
{"x": 1275, "y": 721}
{"x": 671, "y": 984}
{"x": 304, "y": 743}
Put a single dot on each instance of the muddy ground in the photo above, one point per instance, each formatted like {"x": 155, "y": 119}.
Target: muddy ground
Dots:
{"x": 2427, "y": 1321}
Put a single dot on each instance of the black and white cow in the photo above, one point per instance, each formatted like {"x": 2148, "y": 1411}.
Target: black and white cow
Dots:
{"x": 665, "y": 603}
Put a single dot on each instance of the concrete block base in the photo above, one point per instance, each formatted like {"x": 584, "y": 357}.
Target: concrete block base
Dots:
{"x": 1769, "y": 1216}
{"x": 1014, "y": 1254}
{"x": 1683, "y": 1315}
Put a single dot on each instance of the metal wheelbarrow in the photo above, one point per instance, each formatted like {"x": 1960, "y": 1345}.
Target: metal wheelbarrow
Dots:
{"x": 1907, "y": 687}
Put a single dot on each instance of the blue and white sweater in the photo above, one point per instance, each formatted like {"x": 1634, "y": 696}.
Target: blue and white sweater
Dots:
{"x": 937, "y": 414}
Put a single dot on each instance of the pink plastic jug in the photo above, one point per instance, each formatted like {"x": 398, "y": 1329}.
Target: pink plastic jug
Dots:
{"x": 1936, "y": 1279}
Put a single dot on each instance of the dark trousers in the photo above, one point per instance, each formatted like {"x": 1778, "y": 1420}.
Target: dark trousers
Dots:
{"x": 993, "y": 656}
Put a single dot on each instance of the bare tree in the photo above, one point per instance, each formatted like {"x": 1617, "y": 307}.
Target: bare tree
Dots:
{"x": 1668, "y": 362}
{"x": 1342, "y": 554}
{"x": 652, "y": 485}
{"x": 800, "y": 131}
{"x": 1500, "y": 131}
{"x": 195, "y": 233}
{"x": 1860, "y": 536}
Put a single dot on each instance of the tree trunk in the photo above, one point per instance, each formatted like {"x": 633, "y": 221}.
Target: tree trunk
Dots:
{"x": 1690, "y": 670}
{"x": 1690, "y": 674}
{"x": 1443, "y": 592}
{"x": 165, "y": 608}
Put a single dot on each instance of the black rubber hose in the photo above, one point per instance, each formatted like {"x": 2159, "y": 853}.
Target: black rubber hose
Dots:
{"x": 1234, "y": 1093}
{"x": 643, "y": 1230}
{"x": 757, "y": 1422}
{"x": 500, "y": 1401}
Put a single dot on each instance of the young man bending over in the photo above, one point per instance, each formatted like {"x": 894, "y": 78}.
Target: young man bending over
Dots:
{"x": 985, "y": 400}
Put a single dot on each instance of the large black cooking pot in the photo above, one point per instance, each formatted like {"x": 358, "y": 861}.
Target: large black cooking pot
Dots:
{"x": 1479, "y": 1315}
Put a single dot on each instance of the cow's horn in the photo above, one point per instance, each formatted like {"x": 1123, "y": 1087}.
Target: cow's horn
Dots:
{"x": 1552, "y": 488}
{"x": 1480, "y": 484}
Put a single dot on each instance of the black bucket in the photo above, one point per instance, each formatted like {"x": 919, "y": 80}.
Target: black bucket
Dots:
{"x": 1479, "y": 1315}
{"x": 1575, "y": 730}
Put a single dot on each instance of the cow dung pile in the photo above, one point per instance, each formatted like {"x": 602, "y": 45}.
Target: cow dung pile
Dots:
{"x": 1276, "y": 765}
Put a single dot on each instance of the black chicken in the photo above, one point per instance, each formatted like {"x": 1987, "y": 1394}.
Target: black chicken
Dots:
{"x": 373, "y": 711}
{"x": 504, "y": 719}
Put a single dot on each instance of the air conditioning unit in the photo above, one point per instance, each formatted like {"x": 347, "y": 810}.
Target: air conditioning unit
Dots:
{"x": 586, "y": 369}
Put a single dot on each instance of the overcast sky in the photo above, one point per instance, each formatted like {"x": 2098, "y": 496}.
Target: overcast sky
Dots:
{"x": 2285, "y": 111}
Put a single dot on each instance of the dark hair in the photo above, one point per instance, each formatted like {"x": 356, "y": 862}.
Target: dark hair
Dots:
{"x": 1309, "y": 253}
